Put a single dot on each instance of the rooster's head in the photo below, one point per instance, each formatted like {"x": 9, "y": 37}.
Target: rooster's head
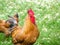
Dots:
{"x": 31, "y": 15}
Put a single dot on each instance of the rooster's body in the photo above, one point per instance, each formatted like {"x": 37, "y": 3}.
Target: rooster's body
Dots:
{"x": 26, "y": 35}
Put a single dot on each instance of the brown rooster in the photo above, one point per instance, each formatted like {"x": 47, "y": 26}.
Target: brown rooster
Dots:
{"x": 28, "y": 34}
{"x": 6, "y": 25}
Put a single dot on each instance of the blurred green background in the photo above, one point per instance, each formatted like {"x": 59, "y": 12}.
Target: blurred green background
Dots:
{"x": 47, "y": 13}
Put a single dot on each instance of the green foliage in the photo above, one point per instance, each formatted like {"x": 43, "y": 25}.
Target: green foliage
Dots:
{"x": 47, "y": 18}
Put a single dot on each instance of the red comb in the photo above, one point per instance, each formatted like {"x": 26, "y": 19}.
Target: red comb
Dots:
{"x": 30, "y": 12}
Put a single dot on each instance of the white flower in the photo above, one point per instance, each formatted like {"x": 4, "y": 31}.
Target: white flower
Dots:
{"x": 57, "y": 14}
{"x": 28, "y": 0}
{"x": 44, "y": 29}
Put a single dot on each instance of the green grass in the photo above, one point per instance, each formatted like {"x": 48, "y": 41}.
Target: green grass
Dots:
{"x": 47, "y": 18}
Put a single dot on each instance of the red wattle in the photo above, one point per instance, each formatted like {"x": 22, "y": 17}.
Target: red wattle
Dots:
{"x": 32, "y": 19}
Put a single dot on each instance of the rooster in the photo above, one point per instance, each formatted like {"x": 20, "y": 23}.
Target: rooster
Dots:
{"x": 6, "y": 25}
{"x": 28, "y": 34}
